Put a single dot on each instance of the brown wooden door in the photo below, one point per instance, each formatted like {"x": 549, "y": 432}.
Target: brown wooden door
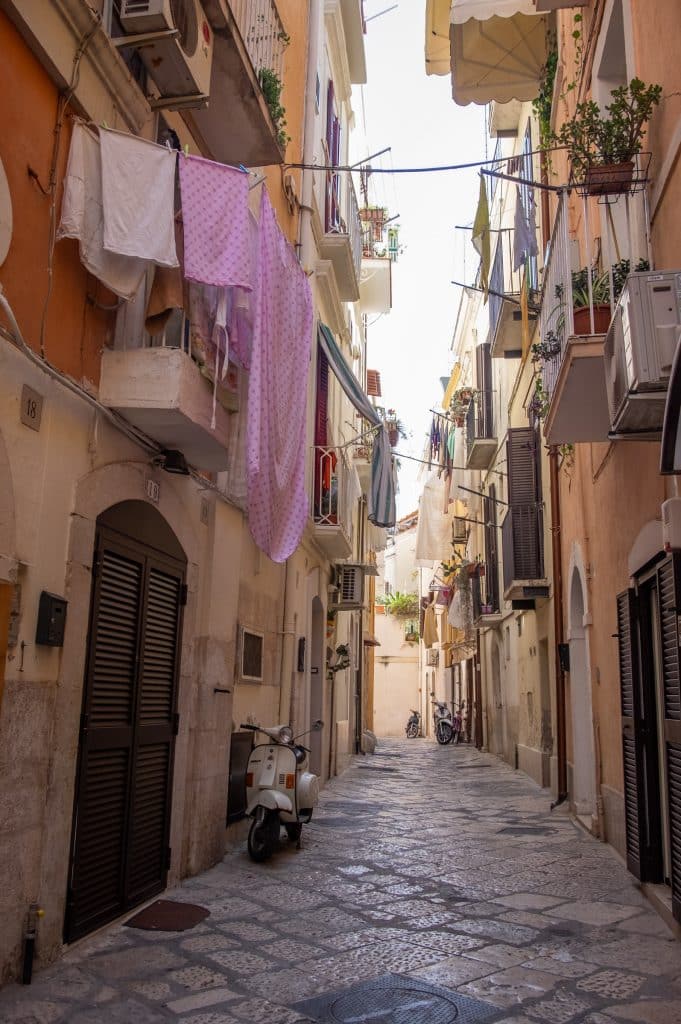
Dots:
{"x": 120, "y": 853}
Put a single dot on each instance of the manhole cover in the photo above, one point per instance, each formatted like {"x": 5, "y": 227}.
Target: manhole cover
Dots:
{"x": 395, "y": 1000}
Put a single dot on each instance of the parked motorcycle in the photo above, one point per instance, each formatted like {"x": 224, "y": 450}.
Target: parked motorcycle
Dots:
{"x": 457, "y": 725}
{"x": 413, "y": 725}
{"x": 442, "y": 719}
{"x": 278, "y": 789}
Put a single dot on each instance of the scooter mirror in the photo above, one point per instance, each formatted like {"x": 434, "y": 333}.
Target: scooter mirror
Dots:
{"x": 318, "y": 725}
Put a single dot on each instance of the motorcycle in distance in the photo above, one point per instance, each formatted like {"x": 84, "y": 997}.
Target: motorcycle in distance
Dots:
{"x": 442, "y": 719}
{"x": 457, "y": 724}
{"x": 413, "y": 725}
{"x": 278, "y": 789}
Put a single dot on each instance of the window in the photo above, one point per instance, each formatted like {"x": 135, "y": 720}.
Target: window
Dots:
{"x": 251, "y": 655}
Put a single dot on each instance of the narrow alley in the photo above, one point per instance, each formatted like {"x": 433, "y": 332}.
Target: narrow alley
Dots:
{"x": 434, "y": 884}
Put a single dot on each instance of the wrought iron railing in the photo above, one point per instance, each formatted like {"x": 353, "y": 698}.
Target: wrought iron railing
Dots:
{"x": 479, "y": 419}
{"x": 556, "y": 315}
{"x": 503, "y": 280}
{"x": 522, "y": 536}
{"x": 263, "y": 33}
{"x": 331, "y": 495}
{"x": 342, "y": 214}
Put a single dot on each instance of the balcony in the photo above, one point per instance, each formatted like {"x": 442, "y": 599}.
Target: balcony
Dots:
{"x": 522, "y": 536}
{"x": 375, "y": 286}
{"x": 574, "y": 375}
{"x": 505, "y": 321}
{"x": 332, "y": 502}
{"x": 236, "y": 127}
{"x": 481, "y": 443}
{"x": 485, "y": 605}
{"x": 341, "y": 241}
{"x": 361, "y": 460}
{"x": 161, "y": 391}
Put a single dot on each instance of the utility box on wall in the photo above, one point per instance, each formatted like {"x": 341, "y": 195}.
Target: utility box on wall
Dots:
{"x": 51, "y": 620}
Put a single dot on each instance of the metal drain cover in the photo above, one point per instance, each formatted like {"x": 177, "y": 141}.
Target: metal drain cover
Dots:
{"x": 393, "y": 999}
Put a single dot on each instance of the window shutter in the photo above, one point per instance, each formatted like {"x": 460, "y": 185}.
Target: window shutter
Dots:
{"x": 491, "y": 549}
{"x": 669, "y": 593}
{"x": 322, "y": 404}
{"x": 632, "y": 745}
{"x": 483, "y": 376}
{"x": 374, "y": 383}
{"x": 522, "y": 466}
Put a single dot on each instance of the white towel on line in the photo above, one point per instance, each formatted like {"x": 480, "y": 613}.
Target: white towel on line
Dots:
{"x": 138, "y": 190}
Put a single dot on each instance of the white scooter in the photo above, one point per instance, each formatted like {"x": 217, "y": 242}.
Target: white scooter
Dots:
{"x": 278, "y": 790}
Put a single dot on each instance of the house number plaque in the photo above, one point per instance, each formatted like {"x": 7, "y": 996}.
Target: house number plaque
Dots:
{"x": 31, "y": 407}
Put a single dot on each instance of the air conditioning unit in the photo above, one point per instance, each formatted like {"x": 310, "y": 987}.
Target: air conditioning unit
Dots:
{"x": 432, "y": 657}
{"x": 179, "y": 64}
{"x": 350, "y": 584}
{"x": 639, "y": 351}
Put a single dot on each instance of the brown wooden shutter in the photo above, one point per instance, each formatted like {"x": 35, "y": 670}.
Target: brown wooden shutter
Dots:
{"x": 96, "y": 889}
{"x": 522, "y": 466}
{"x": 669, "y": 595}
{"x": 483, "y": 376}
{"x": 152, "y": 774}
{"x": 489, "y": 506}
{"x": 632, "y": 746}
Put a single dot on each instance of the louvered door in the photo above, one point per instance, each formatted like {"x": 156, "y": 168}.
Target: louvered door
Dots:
{"x": 669, "y": 595}
{"x": 122, "y": 806}
{"x": 632, "y": 739}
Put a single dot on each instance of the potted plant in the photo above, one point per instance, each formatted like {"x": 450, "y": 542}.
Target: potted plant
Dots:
{"x": 394, "y": 427}
{"x": 600, "y": 291}
{"x": 602, "y": 146}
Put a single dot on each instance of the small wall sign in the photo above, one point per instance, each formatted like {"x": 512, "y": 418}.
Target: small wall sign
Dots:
{"x": 153, "y": 489}
{"x": 31, "y": 407}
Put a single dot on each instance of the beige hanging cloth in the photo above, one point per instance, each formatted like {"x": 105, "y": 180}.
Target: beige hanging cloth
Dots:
{"x": 430, "y": 634}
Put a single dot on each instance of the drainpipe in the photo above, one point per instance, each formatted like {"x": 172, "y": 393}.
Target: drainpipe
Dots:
{"x": 557, "y": 563}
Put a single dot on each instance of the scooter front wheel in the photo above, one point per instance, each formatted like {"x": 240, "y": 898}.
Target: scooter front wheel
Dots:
{"x": 412, "y": 730}
{"x": 443, "y": 733}
{"x": 263, "y": 836}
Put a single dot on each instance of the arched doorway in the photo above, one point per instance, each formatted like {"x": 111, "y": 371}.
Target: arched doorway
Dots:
{"x": 580, "y": 699}
{"x": 317, "y": 631}
{"x": 121, "y": 824}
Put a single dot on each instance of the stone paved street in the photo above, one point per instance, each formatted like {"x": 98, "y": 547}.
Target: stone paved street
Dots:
{"x": 437, "y": 864}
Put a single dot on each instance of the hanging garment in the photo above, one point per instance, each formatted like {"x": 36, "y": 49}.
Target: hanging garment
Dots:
{"x": 277, "y": 393}
{"x": 430, "y": 634}
{"x": 434, "y": 528}
{"x": 481, "y": 237}
{"x": 138, "y": 192}
{"x": 383, "y": 485}
{"x": 217, "y": 238}
{"x": 168, "y": 292}
{"x": 82, "y": 217}
{"x": 524, "y": 233}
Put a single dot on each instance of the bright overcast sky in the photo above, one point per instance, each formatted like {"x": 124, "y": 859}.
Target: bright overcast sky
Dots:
{"x": 416, "y": 116}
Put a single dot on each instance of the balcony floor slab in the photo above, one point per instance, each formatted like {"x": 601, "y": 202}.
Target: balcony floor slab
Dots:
{"x": 578, "y": 411}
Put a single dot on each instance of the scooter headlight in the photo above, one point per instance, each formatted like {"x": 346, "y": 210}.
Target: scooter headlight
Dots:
{"x": 285, "y": 734}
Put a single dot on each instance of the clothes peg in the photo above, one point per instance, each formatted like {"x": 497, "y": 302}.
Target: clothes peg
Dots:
{"x": 105, "y": 125}
{"x": 242, "y": 168}
{"x": 185, "y": 149}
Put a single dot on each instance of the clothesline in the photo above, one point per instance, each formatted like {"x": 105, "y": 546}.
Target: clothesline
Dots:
{"x": 417, "y": 170}
{"x": 425, "y": 462}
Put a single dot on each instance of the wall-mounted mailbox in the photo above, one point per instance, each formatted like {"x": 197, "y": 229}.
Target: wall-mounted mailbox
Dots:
{"x": 51, "y": 620}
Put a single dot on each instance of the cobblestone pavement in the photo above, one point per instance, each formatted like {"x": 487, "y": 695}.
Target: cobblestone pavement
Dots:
{"x": 435, "y": 876}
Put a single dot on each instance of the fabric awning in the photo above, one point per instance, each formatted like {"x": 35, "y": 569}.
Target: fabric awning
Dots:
{"x": 497, "y": 49}
{"x": 437, "y": 37}
{"x": 382, "y": 491}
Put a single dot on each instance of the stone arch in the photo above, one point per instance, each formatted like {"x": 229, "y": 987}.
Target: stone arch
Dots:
{"x": 583, "y": 766}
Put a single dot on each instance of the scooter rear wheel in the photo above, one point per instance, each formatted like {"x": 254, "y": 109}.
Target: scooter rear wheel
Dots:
{"x": 263, "y": 836}
{"x": 443, "y": 733}
{"x": 412, "y": 730}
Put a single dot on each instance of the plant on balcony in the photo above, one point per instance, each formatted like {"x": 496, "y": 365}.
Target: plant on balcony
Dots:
{"x": 600, "y": 290}
{"x": 271, "y": 86}
{"x": 621, "y": 271}
{"x": 402, "y": 605}
{"x": 394, "y": 426}
{"x": 602, "y": 146}
{"x": 459, "y": 403}
{"x": 546, "y": 349}
{"x": 411, "y": 632}
{"x": 538, "y": 406}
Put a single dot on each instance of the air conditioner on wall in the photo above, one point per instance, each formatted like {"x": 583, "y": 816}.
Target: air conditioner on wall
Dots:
{"x": 639, "y": 349}
{"x": 179, "y": 64}
{"x": 350, "y": 587}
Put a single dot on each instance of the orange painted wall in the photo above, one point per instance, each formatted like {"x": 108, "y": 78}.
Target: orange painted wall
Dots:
{"x": 75, "y": 331}
{"x": 294, "y": 16}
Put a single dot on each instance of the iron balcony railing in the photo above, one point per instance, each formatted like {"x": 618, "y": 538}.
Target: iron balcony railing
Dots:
{"x": 502, "y": 280}
{"x": 556, "y": 323}
{"x": 522, "y": 536}
{"x": 263, "y": 33}
{"x": 479, "y": 419}
{"x": 342, "y": 214}
{"x": 331, "y": 493}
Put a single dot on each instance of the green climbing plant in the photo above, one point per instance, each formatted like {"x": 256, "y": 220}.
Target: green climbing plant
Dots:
{"x": 271, "y": 86}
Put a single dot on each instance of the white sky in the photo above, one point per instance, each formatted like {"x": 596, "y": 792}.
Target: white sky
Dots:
{"x": 416, "y": 116}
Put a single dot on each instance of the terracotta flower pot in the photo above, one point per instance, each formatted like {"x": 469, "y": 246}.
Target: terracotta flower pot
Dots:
{"x": 582, "y": 321}
{"x": 609, "y": 179}
{"x": 393, "y": 436}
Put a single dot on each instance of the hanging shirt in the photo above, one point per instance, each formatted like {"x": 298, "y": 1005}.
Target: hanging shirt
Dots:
{"x": 430, "y": 634}
{"x": 217, "y": 240}
{"x": 277, "y": 393}
{"x": 82, "y": 217}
